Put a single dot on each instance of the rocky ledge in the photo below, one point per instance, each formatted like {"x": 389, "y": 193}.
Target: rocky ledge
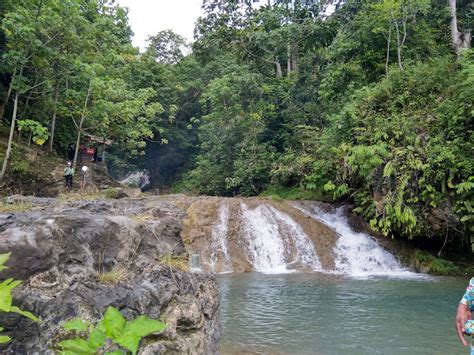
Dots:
{"x": 79, "y": 257}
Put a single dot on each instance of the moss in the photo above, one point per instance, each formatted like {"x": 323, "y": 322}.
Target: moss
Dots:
{"x": 295, "y": 193}
{"x": 425, "y": 262}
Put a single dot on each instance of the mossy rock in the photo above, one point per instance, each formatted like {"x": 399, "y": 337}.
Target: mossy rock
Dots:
{"x": 430, "y": 264}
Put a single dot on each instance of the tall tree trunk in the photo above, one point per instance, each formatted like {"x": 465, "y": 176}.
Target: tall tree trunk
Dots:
{"x": 459, "y": 40}
{"x": 53, "y": 119}
{"x": 7, "y": 96}
{"x": 294, "y": 56}
{"x": 81, "y": 122}
{"x": 288, "y": 60}
{"x": 278, "y": 68}
{"x": 399, "y": 46}
{"x": 455, "y": 34}
{"x": 10, "y": 138}
{"x": 388, "y": 49}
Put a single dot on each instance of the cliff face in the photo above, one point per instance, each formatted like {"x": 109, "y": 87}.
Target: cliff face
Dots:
{"x": 77, "y": 258}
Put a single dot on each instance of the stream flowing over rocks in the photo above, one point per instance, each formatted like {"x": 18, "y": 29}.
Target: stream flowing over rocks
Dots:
{"x": 77, "y": 257}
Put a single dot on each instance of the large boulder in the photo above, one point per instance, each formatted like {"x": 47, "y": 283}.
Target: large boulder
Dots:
{"x": 81, "y": 257}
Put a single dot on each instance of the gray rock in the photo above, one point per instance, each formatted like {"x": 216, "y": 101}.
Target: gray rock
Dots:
{"x": 60, "y": 251}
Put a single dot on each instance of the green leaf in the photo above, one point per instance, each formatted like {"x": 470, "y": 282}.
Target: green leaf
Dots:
{"x": 143, "y": 326}
{"x": 5, "y": 294}
{"x": 97, "y": 337}
{"x": 116, "y": 352}
{"x": 77, "y": 324}
{"x": 136, "y": 329}
{"x": 4, "y": 258}
{"x": 77, "y": 345}
{"x": 113, "y": 322}
{"x": 129, "y": 341}
{"x": 4, "y": 339}
{"x": 24, "y": 313}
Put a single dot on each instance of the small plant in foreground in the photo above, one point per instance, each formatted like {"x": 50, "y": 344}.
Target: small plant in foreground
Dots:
{"x": 180, "y": 262}
{"x": 16, "y": 206}
{"x": 114, "y": 276}
{"x": 112, "y": 329}
{"x": 6, "y": 288}
{"x": 111, "y": 193}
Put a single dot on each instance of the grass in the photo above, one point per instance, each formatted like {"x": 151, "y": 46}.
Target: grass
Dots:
{"x": 142, "y": 218}
{"x": 16, "y": 206}
{"x": 179, "y": 262}
{"x": 295, "y": 193}
{"x": 115, "y": 276}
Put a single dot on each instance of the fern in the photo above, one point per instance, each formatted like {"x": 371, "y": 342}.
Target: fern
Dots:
{"x": 113, "y": 326}
{"x": 6, "y": 299}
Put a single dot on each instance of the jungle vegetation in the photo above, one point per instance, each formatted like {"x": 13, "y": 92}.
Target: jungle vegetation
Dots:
{"x": 372, "y": 105}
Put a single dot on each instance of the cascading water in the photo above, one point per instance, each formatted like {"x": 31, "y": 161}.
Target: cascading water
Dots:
{"x": 219, "y": 249}
{"x": 139, "y": 179}
{"x": 275, "y": 241}
{"x": 356, "y": 254}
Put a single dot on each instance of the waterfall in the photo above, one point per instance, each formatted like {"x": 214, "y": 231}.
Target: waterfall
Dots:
{"x": 219, "y": 250}
{"x": 356, "y": 254}
{"x": 275, "y": 242}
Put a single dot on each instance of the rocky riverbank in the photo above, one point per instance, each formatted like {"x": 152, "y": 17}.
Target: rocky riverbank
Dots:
{"x": 79, "y": 257}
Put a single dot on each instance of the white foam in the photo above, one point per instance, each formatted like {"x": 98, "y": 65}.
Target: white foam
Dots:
{"x": 219, "y": 248}
{"x": 358, "y": 254}
{"x": 275, "y": 241}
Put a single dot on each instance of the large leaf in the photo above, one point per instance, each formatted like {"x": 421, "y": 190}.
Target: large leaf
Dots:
{"x": 143, "y": 326}
{"x": 3, "y": 260}
{"x": 24, "y": 313}
{"x": 97, "y": 337}
{"x": 5, "y": 294}
{"x": 129, "y": 341}
{"x": 77, "y": 345}
{"x": 77, "y": 324}
{"x": 113, "y": 322}
{"x": 4, "y": 339}
{"x": 136, "y": 329}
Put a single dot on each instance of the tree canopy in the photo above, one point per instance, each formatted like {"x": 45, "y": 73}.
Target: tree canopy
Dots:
{"x": 371, "y": 105}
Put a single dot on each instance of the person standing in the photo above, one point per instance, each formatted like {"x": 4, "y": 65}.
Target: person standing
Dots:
{"x": 71, "y": 151}
{"x": 68, "y": 174}
{"x": 464, "y": 311}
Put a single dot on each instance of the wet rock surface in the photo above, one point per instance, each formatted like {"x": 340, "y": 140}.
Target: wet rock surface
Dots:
{"x": 77, "y": 258}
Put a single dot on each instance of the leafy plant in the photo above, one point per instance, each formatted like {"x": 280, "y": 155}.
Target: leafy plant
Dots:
{"x": 37, "y": 132}
{"x": 111, "y": 193}
{"x": 114, "y": 327}
{"x": 6, "y": 306}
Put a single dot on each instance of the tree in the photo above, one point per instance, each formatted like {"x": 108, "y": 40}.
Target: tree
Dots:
{"x": 166, "y": 47}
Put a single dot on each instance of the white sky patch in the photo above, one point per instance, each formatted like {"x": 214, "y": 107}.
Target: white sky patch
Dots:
{"x": 148, "y": 17}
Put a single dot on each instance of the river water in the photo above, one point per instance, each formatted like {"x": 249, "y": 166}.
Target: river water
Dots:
{"x": 313, "y": 313}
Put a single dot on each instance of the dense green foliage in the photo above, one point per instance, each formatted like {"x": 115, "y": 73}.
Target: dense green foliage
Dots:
{"x": 6, "y": 299}
{"x": 113, "y": 326}
{"x": 372, "y": 105}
